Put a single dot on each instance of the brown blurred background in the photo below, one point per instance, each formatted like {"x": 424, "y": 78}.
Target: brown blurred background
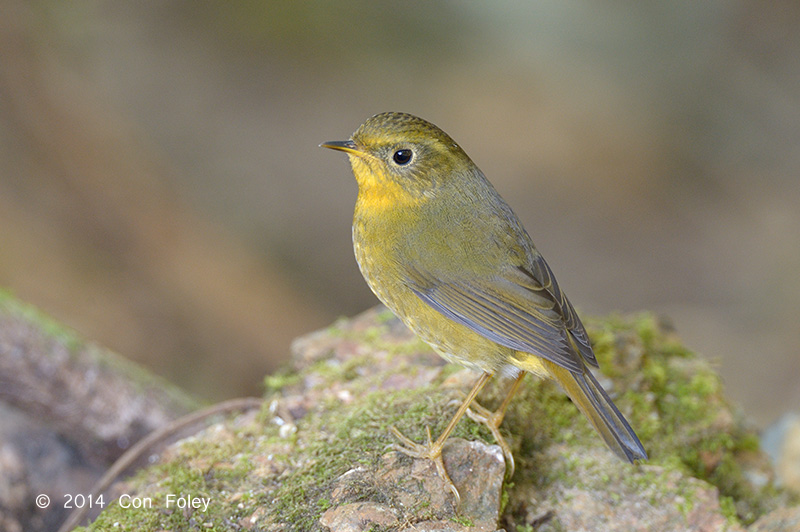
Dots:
{"x": 162, "y": 192}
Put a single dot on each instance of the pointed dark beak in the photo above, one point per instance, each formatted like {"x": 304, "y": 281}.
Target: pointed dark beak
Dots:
{"x": 347, "y": 146}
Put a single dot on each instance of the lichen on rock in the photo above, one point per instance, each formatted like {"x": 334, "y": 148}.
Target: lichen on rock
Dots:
{"x": 318, "y": 456}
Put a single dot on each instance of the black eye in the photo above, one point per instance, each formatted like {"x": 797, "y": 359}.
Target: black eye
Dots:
{"x": 402, "y": 157}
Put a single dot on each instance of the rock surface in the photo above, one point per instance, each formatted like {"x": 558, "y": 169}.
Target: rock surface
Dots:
{"x": 68, "y": 409}
{"x": 318, "y": 456}
{"x": 780, "y": 520}
{"x": 782, "y": 442}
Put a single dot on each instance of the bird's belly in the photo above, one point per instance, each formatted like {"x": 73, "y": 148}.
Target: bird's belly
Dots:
{"x": 454, "y": 342}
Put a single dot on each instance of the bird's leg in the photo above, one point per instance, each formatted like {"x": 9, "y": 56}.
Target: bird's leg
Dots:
{"x": 433, "y": 449}
{"x": 492, "y": 420}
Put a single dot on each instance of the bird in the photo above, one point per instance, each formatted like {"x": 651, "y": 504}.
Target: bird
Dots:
{"x": 440, "y": 247}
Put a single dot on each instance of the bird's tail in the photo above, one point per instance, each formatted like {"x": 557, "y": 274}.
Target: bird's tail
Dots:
{"x": 596, "y": 405}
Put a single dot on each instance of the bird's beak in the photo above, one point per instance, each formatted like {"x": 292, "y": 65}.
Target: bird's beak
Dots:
{"x": 347, "y": 146}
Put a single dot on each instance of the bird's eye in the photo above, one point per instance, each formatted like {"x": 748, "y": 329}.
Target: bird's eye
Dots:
{"x": 402, "y": 157}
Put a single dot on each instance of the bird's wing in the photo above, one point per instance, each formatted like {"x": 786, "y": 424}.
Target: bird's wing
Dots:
{"x": 523, "y": 309}
{"x": 537, "y": 277}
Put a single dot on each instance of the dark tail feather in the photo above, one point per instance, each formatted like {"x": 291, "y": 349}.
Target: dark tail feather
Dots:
{"x": 596, "y": 405}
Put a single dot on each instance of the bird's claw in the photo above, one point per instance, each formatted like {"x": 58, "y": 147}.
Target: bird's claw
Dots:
{"x": 492, "y": 421}
{"x": 431, "y": 450}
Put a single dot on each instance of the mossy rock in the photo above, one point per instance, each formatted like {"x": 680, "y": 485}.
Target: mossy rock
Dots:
{"x": 320, "y": 447}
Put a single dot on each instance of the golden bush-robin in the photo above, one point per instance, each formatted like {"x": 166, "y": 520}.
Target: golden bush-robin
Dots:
{"x": 438, "y": 245}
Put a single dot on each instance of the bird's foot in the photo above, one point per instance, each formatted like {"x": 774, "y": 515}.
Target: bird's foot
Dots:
{"x": 492, "y": 421}
{"x": 431, "y": 450}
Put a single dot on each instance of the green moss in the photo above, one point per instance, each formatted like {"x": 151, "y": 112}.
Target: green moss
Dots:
{"x": 92, "y": 355}
{"x": 728, "y": 506}
{"x": 463, "y": 521}
{"x": 203, "y": 468}
{"x": 384, "y": 316}
{"x": 338, "y": 327}
{"x": 330, "y": 370}
{"x": 283, "y": 378}
{"x": 50, "y": 327}
{"x": 673, "y": 400}
{"x": 378, "y": 337}
{"x": 156, "y": 514}
{"x": 347, "y": 436}
{"x": 678, "y": 409}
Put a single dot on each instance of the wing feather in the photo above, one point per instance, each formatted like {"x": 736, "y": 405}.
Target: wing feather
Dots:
{"x": 506, "y": 313}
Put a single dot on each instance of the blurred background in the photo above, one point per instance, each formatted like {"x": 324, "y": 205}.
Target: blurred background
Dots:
{"x": 162, "y": 192}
